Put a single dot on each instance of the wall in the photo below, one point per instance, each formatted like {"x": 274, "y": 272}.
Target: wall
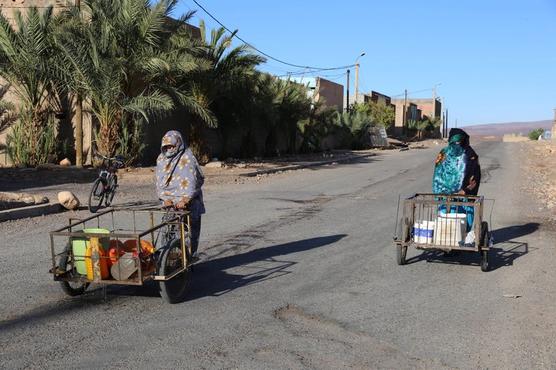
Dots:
{"x": 330, "y": 93}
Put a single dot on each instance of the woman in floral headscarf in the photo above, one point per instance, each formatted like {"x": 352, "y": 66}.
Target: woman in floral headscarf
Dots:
{"x": 179, "y": 179}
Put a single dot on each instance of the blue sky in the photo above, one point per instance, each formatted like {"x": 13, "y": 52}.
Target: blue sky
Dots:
{"x": 495, "y": 59}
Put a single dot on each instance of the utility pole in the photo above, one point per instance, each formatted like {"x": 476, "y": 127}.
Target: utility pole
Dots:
{"x": 446, "y": 130}
{"x": 357, "y": 76}
{"x": 433, "y": 115}
{"x": 356, "y": 82}
{"x": 79, "y": 121}
{"x": 347, "y": 92}
{"x": 404, "y": 115}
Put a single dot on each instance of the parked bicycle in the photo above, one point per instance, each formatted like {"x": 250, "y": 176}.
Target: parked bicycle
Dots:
{"x": 104, "y": 187}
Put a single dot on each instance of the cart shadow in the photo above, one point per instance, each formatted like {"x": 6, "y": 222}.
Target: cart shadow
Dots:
{"x": 209, "y": 278}
{"x": 503, "y": 253}
{"x": 212, "y": 278}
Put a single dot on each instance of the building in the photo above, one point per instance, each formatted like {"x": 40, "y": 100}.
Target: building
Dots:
{"x": 327, "y": 93}
{"x": 415, "y": 109}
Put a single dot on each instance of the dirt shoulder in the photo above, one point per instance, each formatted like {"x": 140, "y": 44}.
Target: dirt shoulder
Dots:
{"x": 539, "y": 168}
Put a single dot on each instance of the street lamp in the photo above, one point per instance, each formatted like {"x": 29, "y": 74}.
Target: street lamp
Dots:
{"x": 357, "y": 75}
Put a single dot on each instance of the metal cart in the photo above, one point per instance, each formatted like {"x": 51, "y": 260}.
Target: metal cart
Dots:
{"x": 124, "y": 247}
{"x": 442, "y": 222}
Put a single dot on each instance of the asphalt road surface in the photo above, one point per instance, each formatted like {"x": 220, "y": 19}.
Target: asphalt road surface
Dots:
{"x": 299, "y": 272}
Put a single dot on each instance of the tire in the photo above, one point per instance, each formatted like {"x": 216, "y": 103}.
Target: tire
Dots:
{"x": 173, "y": 290}
{"x": 96, "y": 196}
{"x": 111, "y": 192}
{"x": 401, "y": 253}
{"x": 70, "y": 288}
{"x": 485, "y": 236}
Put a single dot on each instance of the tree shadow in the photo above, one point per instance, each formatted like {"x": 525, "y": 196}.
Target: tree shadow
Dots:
{"x": 17, "y": 179}
{"x": 209, "y": 278}
{"x": 503, "y": 253}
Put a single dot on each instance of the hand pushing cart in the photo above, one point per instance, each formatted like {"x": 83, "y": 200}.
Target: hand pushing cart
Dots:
{"x": 442, "y": 222}
{"x": 124, "y": 247}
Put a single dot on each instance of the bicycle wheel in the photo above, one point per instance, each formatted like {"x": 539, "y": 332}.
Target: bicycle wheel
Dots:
{"x": 69, "y": 287}
{"x": 96, "y": 196}
{"x": 171, "y": 260}
{"x": 109, "y": 195}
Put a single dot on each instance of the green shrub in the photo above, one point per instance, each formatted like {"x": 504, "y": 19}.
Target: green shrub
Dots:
{"x": 534, "y": 134}
{"x": 30, "y": 146}
{"x": 131, "y": 142}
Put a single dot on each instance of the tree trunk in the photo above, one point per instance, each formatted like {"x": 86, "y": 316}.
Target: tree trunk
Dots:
{"x": 79, "y": 132}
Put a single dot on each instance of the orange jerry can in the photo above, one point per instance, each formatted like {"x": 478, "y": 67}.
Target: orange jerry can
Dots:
{"x": 96, "y": 261}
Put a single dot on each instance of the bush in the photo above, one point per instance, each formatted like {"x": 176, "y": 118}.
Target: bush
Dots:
{"x": 534, "y": 134}
{"x": 131, "y": 142}
{"x": 30, "y": 146}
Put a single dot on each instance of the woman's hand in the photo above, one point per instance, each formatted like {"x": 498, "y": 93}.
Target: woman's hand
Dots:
{"x": 183, "y": 203}
{"x": 167, "y": 204}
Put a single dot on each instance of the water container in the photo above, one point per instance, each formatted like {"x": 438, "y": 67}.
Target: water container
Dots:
{"x": 79, "y": 248}
{"x": 125, "y": 267}
{"x": 427, "y": 231}
{"x": 450, "y": 229}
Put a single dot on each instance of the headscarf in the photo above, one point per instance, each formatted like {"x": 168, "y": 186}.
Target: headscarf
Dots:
{"x": 450, "y": 164}
{"x": 178, "y": 173}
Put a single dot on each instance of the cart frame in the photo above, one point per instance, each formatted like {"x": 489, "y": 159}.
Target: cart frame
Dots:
{"x": 426, "y": 206}
{"x": 180, "y": 219}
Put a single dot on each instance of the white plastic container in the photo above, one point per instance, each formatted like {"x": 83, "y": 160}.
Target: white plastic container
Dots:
{"x": 417, "y": 232}
{"x": 427, "y": 231}
{"x": 451, "y": 229}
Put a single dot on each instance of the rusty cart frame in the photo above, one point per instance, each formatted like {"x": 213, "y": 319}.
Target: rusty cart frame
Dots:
{"x": 434, "y": 208}
{"x": 166, "y": 230}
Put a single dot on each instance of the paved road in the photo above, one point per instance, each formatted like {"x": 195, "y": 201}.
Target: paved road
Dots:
{"x": 300, "y": 273}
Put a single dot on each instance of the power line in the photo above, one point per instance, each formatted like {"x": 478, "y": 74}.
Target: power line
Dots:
{"x": 411, "y": 92}
{"x": 262, "y": 52}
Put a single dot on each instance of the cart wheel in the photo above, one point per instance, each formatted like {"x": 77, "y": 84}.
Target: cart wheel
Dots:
{"x": 96, "y": 196}
{"x": 71, "y": 288}
{"x": 401, "y": 252}
{"x": 171, "y": 260}
{"x": 485, "y": 236}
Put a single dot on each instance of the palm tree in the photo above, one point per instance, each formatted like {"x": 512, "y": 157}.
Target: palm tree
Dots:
{"x": 27, "y": 64}
{"x": 122, "y": 62}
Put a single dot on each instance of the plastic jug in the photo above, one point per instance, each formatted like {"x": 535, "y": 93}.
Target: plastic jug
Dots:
{"x": 96, "y": 260}
{"x": 125, "y": 267}
{"x": 79, "y": 248}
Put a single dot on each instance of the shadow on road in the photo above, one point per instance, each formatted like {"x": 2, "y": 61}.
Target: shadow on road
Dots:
{"x": 209, "y": 278}
{"x": 504, "y": 252}
{"x": 18, "y": 179}
{"x": 512, "y": 232}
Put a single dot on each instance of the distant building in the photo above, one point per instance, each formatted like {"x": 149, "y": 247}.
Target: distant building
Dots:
{"x": 415, "y": 109}
{"x": 328, "y": 93}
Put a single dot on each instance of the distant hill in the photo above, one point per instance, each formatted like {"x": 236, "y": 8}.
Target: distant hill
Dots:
{"x": 501, "y": 129}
